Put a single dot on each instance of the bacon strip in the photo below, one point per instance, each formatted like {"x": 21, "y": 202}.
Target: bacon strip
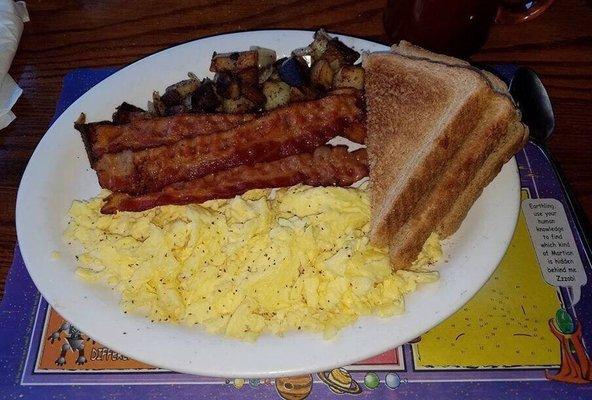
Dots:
{"x": 294, "y": 129}
{"x": 356, "y": 132}
{"x": 326, "y": 166}
{"x": 144, "y": 133}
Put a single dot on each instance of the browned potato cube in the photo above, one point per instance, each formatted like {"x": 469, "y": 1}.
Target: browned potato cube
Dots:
{"x": 338, "y": 54}
{"x": 319, "y": 45}
{"x": 265, "y": 74}
{"x": 158, "y": 107}
{"x": 276, "y": 94}
{"x": 265, "y": 57}
{"x": 249, "y": 77}
{"x": 234, "y": 62}
{"x": 321, "y": 74}
{"x": 185, "y": 87}
{"x": 254, "y": 94}
{"x": 227, "y": 86}
{"x": 205, "y": 99}
{"x": 349, "y": 76}
{"x": 238, "y": 106}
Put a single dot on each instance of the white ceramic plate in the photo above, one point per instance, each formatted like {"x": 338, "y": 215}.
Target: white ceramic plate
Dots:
{"x": 59, "y": 172}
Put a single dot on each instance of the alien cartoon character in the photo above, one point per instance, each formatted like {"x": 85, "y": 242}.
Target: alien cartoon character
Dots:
{"x": 74, "y": 341}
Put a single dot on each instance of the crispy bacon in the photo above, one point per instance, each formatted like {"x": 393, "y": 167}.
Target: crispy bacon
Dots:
{"x": 294, "y": 129}
{"x": 356, "y": 132}
{"x": 326, "y": 166}
{"x": 144, "y": 132}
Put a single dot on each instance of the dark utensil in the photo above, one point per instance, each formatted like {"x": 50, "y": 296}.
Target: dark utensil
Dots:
{"x": 534, "y": 103}
{"x": 533, "y": 100}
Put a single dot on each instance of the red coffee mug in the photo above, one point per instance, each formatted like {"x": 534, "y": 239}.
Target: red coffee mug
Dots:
{"x": 456, "y": 27}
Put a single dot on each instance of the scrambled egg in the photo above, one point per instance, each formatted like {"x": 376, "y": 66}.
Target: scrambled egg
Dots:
{"x": 267, "y": 261}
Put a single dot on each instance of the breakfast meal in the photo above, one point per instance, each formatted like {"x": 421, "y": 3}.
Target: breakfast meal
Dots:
{"x": 289, "y": 194}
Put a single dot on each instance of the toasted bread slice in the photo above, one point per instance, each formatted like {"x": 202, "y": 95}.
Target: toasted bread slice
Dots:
{"x": 497, "y": 136}
{"x": 515, "y": 140}
{"x": 459, "y": 172}
{"x": 407, "y": 49}
{"x": 418, "y": 114}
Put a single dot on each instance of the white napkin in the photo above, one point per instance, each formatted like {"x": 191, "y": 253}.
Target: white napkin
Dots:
{"x": 12, "y": 16}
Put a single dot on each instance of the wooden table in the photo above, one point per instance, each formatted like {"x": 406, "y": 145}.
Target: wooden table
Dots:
{"x": 64, "y": 35}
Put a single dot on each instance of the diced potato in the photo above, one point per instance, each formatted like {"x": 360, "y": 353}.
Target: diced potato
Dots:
{"x": 254, "y": 94}
{"x": 249, "y": 77}
{"x": 302, "y": 93}
{"x": 186, "y": 103}
{"x": 319, "y": 44}
{"x": 265, "y": 74}
{"x": 304, "y": 53}
{"x": 185, "y": 87}
{"x": 158, "y": 106}
{"x": 234, "y": 62}
{"x": 227, "y": 86}
{"x": 321, "y": 74}
{"x": 275, "y": 75}
{"x": 174, "y": 110}
{"x": 349, "y": 76}
{"x": 338, "y": 54}
{"x": 205, "y": 99}
{"x": 176, "y": 93}
{"x": 265, "y": 57}
{"x": 279, "y": 62}
{"x": 238, "y": 106}
{"x": 276, "y": 94}
{"x": 125, "y": 113}
{"x": 171, "y": 98}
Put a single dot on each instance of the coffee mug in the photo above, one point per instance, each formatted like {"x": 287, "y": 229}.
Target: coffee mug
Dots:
{"x": 455, "y": 27}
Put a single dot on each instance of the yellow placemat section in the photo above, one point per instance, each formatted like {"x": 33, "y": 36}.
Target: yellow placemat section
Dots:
{"x": 505, "y": 324}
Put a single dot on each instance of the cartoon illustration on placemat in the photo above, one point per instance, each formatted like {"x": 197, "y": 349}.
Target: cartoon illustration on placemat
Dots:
{"x": 73, "y": 342}
{"x": 294, "y": 387}
{"x": 371, "y": 380}
{"x": 340, "y": 381}
{"x": 60, "y": 338}
{"x": 392, "y": 380}
{"x": 575, "y": 362}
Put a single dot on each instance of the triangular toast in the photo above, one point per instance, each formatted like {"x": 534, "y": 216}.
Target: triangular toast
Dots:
{"x": 484, "y": 146}
{"x": 418, "y": 114}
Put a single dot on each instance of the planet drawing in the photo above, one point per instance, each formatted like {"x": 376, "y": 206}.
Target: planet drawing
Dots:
{"x": 392, "y": 380}
{"x": 238, "y": 383}
{"x": 294, "y": 387}
{"x": 371, "y": 380}
{"x": 340, "y": 381}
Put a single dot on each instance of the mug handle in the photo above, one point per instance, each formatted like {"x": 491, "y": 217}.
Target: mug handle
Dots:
{"x": 512, "y": 13}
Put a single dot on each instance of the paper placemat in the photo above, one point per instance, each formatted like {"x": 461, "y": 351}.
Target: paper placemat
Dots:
{"x": 523, "y": 335}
